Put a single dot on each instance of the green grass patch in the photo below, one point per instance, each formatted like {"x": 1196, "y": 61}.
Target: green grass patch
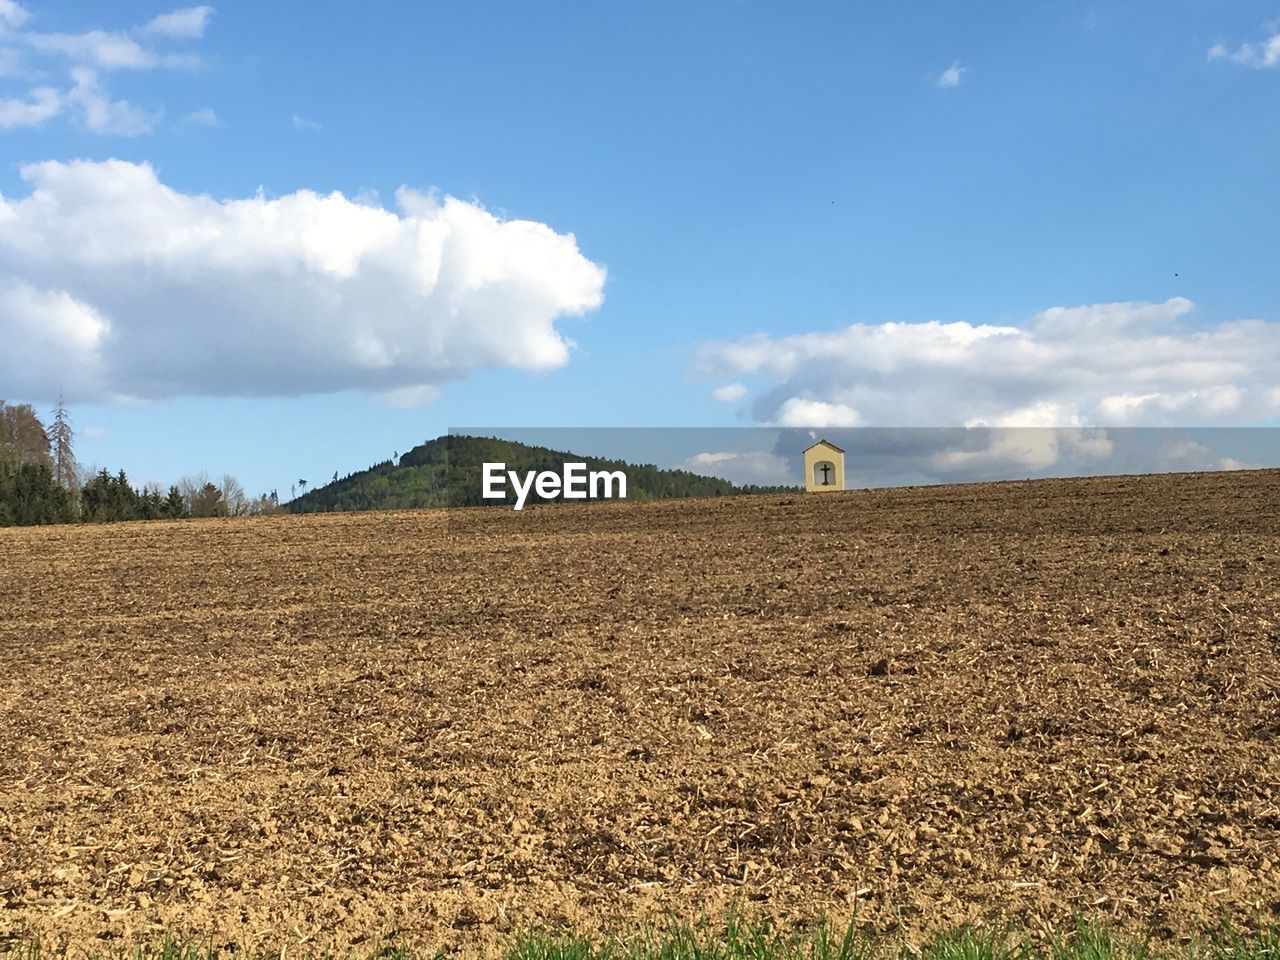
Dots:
{"x": 738, "y": 939}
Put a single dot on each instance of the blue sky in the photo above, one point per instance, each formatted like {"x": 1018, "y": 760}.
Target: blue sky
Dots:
{"x": 826, "y": 214}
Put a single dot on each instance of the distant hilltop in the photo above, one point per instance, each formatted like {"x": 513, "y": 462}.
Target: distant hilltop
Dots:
{"x": 447, "y": 472}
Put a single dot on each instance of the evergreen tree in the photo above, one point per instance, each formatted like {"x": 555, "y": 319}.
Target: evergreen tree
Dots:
{"x": 208, "y": 502}
{"x": 175, "y": 504}
{"x": 154, "y": 506}
{"x": 108, "y": 499}
{"x": 29, "y": 494}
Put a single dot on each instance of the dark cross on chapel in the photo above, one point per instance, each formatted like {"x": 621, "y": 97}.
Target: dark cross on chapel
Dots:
{"x": 826, "y": 474}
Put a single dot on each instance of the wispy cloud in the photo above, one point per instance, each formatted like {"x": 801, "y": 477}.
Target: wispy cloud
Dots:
{"x": 302, "y": 123}
{"x": 729, "y": 393}
{"x": 83, "y": 59}
{"x": 101, "y": 114}
{"x": 204, "y": 117}
{"x": 106, "y": 51}
{"x": 188, "y": 23}
{"x": 1260, "y": 55}
{"x": 951, "y": 76}
{"x": 32, "y": 110}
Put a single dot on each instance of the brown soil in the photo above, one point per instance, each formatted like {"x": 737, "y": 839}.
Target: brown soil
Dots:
{"x": 1013, "y": 702}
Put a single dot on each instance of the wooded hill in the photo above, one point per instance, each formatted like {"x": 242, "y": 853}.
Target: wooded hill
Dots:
{"x": 447, "y": 472}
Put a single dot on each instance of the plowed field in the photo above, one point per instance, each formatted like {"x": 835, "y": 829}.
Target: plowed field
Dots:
{"x": 1011, "y": 702}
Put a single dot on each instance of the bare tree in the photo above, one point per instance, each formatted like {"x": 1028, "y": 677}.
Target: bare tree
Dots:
{"x": 233, "y": 495}
{"x": 64, "y": 459}
{"x": 261, "y": 505}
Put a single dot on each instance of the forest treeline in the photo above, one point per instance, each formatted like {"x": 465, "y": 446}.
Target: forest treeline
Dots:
{"x": 41, "y": 482}
{"x": 446, "y": 472}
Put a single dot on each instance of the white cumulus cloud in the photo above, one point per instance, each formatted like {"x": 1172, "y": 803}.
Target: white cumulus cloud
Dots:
{"x": 43, "y": 329}
{"x": 1022, "y": 447}
{"x": 729, "y": 393}
{"x": 126, "y": 288}
{"x": 799, "y": 412}
{"x": 1263, "y": 54}
{"x": 1113, "y": 363}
